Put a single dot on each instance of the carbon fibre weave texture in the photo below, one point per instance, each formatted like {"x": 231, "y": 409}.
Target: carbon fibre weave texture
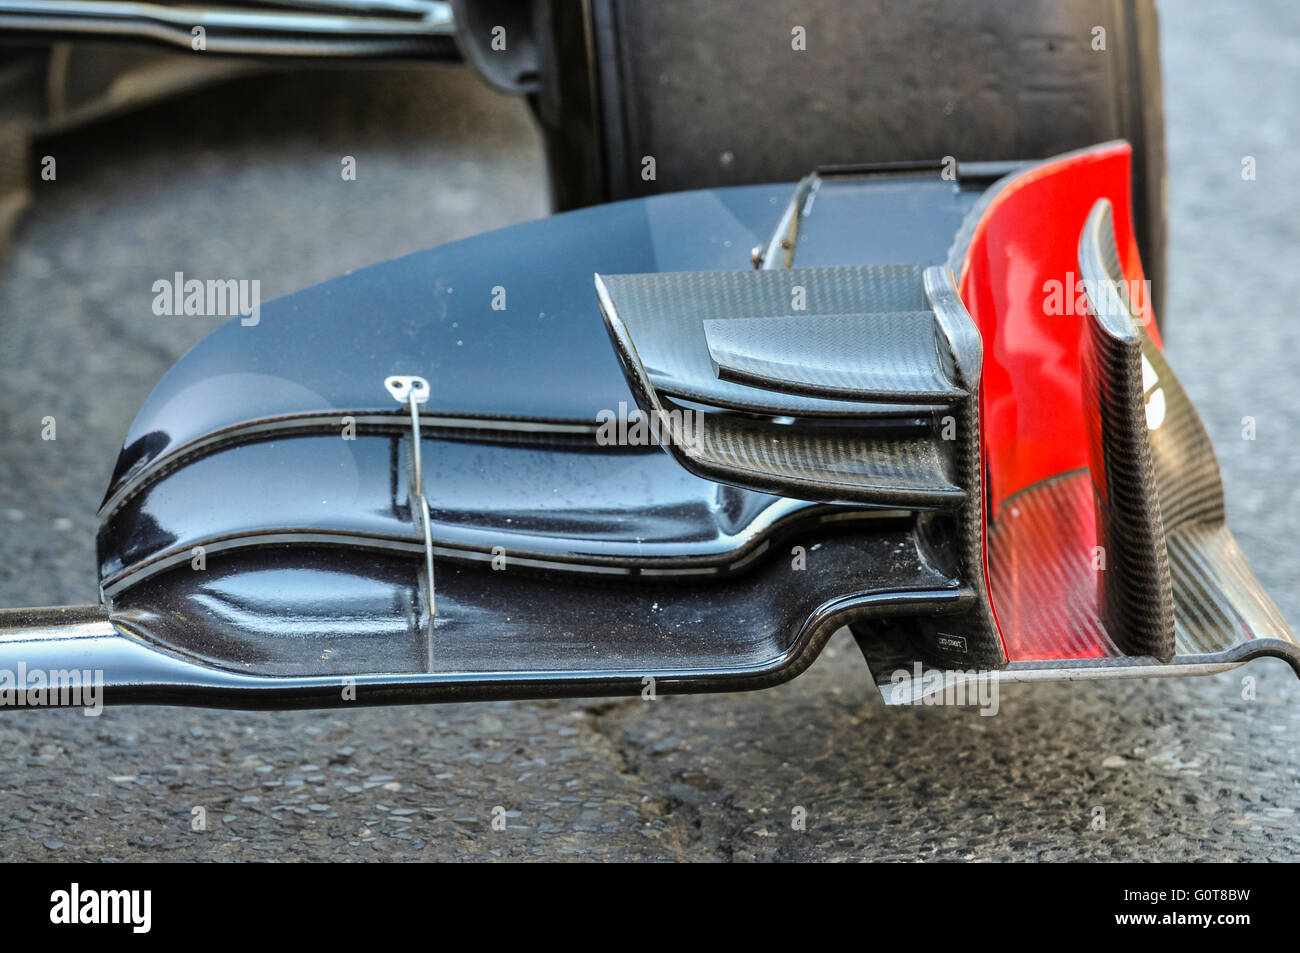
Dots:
{"x": 821, "y": 355}
{"x": 833, "y": 465}
{"x": 1042, "y": 572}
{"x": 926, "y": 459}
{"x": 800, "y": 458}
{"x": 1132, "y": 566}
{"x": 1187, "y": 471}
{"x": 957, "y": 545}
{"x": 668, "y": 312}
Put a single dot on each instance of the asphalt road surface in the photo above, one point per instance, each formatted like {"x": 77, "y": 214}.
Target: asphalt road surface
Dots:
{"x": 245, "y": 180}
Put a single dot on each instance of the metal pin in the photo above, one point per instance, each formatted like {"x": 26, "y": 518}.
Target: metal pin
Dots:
{"x": 414, "y": 391}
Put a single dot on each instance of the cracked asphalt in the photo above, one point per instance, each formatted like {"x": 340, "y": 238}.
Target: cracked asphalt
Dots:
{"x": 244, "y": 179}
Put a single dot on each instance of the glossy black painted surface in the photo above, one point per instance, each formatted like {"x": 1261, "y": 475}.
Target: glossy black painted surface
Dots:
{"x": 340, "y": 612}
{"x": 327, "y": 349}
{"x": 536, "y": 501}
{"x": 243, "y": 533}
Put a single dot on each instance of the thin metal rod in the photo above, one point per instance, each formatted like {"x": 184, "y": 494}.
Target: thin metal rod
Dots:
{"x": 415, "y": 444}
{"x": 417, "y": 493}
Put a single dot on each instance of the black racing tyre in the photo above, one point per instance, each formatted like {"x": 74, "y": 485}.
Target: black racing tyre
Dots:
{"x": 715, "y": 91}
